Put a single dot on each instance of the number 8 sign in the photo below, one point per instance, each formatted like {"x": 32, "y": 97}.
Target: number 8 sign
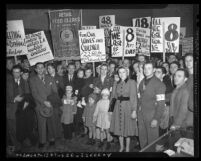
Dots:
{"x": 106, "y": 21}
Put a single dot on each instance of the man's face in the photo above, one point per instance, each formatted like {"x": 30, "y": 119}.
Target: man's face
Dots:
{"x": 136, "y": 67}
{"x": 71, "y": 69}
{"x": 60, "y": 69}
{"x": 25, "y": 76}
{"x": 159, "y": 74}
{"x": 148, "y": 70}
{"x": 9, "y": 64}
{"x": 103, "y": 70}
{"x": 50, "y": 70}
{"x": 172, "y": 58}
{"x": 189, "y": 62}
{"x": 111, "y": 68}
{"x": 26, "y": 63}
{"x": 165, "y": 65}
{"x": 16, "y": 73}
{"x": 141, "y": 58}
{"x": 179, "y": 78}
{"x": 173, "y": 68}
{"x": 88, "y": 73}
{"x": 77, "y": 64}
{"x": 126, "y": 63}
{"x": 40, "y": 69}
{"x": 80, "y": 74}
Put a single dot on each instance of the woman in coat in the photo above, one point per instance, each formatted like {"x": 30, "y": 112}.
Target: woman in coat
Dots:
{"x": 123, "y": 123}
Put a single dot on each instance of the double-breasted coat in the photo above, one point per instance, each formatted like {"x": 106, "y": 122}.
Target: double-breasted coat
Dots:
{"x": 121, "y": 122}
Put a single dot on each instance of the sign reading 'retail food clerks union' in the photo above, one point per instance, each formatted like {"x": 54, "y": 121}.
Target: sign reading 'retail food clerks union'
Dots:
{"x": 106, "y": 21}
{"x": 16, "y": 44}
{"x": 92, "y": 45}
{"x": 38, "y": 48}
{"x": 64, "y": 26}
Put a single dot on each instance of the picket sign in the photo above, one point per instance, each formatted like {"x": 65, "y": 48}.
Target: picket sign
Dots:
{"x": 106, "y": 21}
{"x": 88, "y": 27}
{"x": 143, "y": 22}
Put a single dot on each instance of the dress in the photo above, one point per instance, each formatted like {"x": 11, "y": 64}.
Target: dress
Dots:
{"x": 121, "y": 122}
{"x": 88, "y": 114}
{"x": 101, "y": 112}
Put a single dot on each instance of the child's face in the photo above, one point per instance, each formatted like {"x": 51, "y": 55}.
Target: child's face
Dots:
{"x": 105, "y": 97}
{"x": 68, "y": 93}
{"x": 91, "y": 101}
{"x": 80, "y": 74}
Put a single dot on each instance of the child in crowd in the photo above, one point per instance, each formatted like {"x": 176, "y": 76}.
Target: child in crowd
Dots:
{"x": 88, "y": 118}
{"x": 103, "y": 118}
{"x": 69, "y": 109}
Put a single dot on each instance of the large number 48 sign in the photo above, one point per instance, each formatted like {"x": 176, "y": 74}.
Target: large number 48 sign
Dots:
{"x": 143, "y": 22}
{"x": 106, "y": 21}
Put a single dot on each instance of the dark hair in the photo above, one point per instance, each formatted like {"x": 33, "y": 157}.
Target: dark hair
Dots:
{"x": 25, "y": 70}
{"x": 88, "y": 68}
{"x": 17, "y": 67}
{"x": 172, "y": 54}
{"x": 186, "y": 74}
{"x": 71, "y": 64}
{"x": 39, "y": 63}
{"x": 149, "y": 62}
{"x": 188, "y": 54}
{"x": 112, "y": 62}
{"x": 175, "y": 62}
{"x": 162, "y": 69}
{"x": 52, "y": 65}
{"x": 166, "y": 63}
{"x": 104, "y": 64}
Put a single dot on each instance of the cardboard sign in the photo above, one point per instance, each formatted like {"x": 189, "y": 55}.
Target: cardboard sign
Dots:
{"x": 143, "y": 41}
{"x": 156, "y": 35}
{"x": 15, "y": 44}
{"x": 64, "y": 26}
{"x": 182, "y": 34}
{"x": 144, "y": 22}
{"x": 92, "y": 45}
{"x": 129, "y": 41}
{"x": 117, "y": 41}
{"x": 88, "y": 27}
{"x": 171, "y": 35}
{"x": 187, "y": 45}
{"x": 38, "y": 48}
{"x": 106, "y": 21}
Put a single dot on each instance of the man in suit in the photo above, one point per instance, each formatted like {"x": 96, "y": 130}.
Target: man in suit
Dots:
{"x": 151, "y": 105}
{"x": 70, "y": 77}
{"x": 181, "y": 116}
{"x": 42, "y": 86}
{"x": 16, "y": 87}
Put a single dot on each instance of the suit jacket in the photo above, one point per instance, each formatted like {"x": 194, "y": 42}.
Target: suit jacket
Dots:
{"x": 179, "y": 107}
{"x": 67, "y": 82}
{"x": 41, "y": 90}
{"x": 152, "y": 98}
{"x": 12, "y": 90}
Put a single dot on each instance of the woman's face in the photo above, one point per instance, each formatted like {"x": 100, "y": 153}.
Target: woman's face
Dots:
{"x": 80, "y": 74}
{"x": 123, "y": 74}
{"x": 136, "y": 67}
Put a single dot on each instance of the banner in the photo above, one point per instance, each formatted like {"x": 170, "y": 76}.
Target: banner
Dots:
{"x": 171, "y": 35}
{"x": 64, "y": 26}
{"x": 156, "y": 35}
{"x": 106, "y": 21}
{"x": 38, "y": 48}
{"x": 143, "y": 41}
{"x": 92, "y": 45}
{"x": 129, "y": 41}
{"x": 187, "y": 45}
{"x": 88, "y": 27}
{"x": 117, "y": 41}
{"x": 144, "y": 22}
{"x": 15, "y": 37}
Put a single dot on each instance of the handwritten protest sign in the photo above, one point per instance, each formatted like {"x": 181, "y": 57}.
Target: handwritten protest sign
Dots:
{"x": 144, "y": 22}
{"x": 106, "y": 21}
{"x": 182, "y": 34}
{"x": 92, "y": 45}
{"x": 130, "y": 41}
{"x": 156, "y": 35}
{"x": 187, "y": 45}
{"x": 143, "y": 41}
{"x": 16, "y": 44}
{"x": 88, "y": 27}
{"x": 171, "y": 35}
{"x": 117, "y": 41}
{"x": 38, "y": 48}
{"x": 64, "y": 26}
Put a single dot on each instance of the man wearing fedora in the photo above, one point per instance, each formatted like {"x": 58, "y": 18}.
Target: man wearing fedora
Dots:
{"x": 42, "y": 86}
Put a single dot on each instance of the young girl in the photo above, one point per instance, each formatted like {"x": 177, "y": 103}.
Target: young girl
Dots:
{"x": 102, "y": 117}
{"x": 68, "y": 111}
{"x": 88, "y": 118}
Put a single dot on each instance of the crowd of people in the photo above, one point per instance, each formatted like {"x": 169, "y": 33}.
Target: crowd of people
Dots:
{"x": 134, "y": 97}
